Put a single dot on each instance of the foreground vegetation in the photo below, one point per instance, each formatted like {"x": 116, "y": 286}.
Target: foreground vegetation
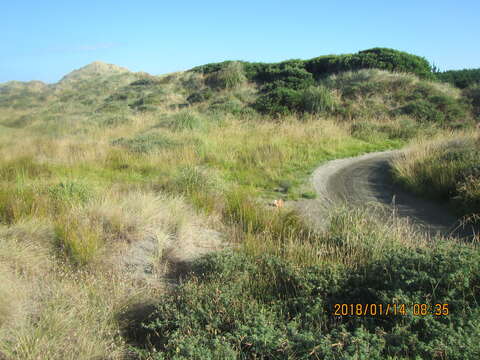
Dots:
{"x": 239, "y": 306}
{"x": 109, "y": 178}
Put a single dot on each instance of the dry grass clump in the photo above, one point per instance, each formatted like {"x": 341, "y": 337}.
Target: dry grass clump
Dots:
{"x": 51, "y": 310}
{"x": 437, "y": 160}
{"x": 446, "y": 167}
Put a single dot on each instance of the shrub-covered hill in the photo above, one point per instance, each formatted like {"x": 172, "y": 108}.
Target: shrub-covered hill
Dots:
{"x": 376, "y": 83}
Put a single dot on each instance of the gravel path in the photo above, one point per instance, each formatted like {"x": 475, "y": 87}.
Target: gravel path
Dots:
{"x": 366, "y": 179}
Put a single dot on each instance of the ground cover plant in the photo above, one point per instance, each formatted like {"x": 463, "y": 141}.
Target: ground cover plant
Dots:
{"x": 109, "y": 178}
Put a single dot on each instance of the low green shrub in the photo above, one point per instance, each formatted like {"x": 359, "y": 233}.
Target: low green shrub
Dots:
{"x": 423, "y": 111}
{"x": 285, "y": 75}
{"x": 279, "y": 101}
{"x": 236, "y": 306}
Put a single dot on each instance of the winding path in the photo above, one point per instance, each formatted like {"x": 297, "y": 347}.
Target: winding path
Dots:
{"x": 366, "y": 179}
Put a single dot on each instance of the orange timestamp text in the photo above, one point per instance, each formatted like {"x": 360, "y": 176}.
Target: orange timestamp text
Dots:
{"x": 390, "y": 309}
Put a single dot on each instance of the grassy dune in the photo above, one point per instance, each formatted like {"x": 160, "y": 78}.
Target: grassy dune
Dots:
{"x": 107, "y": 159}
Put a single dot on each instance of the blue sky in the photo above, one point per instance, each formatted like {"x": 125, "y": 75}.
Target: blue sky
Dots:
{"x": 44, "y": 40}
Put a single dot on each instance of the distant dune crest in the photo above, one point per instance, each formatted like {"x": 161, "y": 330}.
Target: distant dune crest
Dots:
{"x": 96, "y": 68}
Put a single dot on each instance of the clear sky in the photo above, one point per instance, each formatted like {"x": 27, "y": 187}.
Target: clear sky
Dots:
{"x": 44, "y": 40}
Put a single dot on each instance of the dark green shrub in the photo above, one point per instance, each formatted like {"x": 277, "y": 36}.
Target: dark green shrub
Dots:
{"x": 288, "y": 76}
{"x": 266, "y": 308}
{"x": 280, "y": 101}
{"x": 436, "y": 108}
{"x": 424, "y": 111}
{"x": 379, "y": 58}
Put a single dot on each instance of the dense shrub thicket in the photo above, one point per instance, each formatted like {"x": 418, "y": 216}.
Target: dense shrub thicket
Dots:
{"x": 238, "y": 307}
{"x": 379, "y": 58}
{"x": 460, "y": 78}
{"x": 286, "y": 87}
{"x": 290, "y": 86}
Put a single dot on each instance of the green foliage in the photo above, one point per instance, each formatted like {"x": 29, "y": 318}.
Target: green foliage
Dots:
{"x": 145, "y": 143}
{"x": 424, "y": 111}
{"x": 460, "y": 78}
{"x": 378, "y": 58}
{"x": 263, "y": 307}
{"x": 279, "y": 80}
{"x": 286, "y": 74}
{"x": 279, "y": 101}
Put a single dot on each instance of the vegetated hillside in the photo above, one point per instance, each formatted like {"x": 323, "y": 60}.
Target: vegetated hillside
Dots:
{"x": 460, "y": 78}
{"x": 328, "y": 85}
{"x": 109, "y": 165}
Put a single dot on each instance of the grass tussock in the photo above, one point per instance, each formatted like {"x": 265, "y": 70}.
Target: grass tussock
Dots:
{"x": 444, "y": 168}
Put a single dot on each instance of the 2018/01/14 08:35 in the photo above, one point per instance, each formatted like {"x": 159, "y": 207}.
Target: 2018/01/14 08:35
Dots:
{"x": 390, "y": 309}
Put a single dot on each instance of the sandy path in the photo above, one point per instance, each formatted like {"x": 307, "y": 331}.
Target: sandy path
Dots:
{"x": 366, "y": 179}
